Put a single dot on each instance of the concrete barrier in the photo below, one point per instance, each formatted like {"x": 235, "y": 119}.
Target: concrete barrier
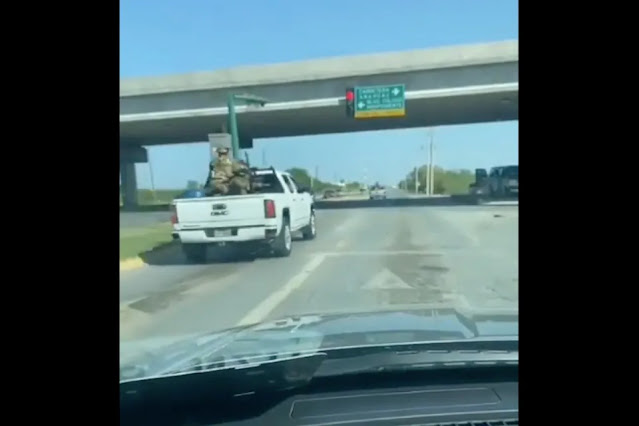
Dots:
{"x": 356, "y": 201}
{"x": 453, "y": 200}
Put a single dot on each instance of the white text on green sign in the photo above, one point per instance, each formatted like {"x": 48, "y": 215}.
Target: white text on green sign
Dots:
{"x": 380, "y": 101}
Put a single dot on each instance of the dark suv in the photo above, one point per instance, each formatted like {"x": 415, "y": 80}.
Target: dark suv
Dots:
{"x": 501, "y": 181}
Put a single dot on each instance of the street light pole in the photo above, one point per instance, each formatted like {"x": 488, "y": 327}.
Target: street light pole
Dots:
{"x": 232, "y": 118}
{"x": 235, "y": 140}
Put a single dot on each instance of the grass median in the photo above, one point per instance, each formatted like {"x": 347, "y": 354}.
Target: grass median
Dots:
{"x": 135, "y": 241}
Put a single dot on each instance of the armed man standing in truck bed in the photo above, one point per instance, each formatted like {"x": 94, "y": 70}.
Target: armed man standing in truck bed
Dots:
{"x": 227, "y": 176}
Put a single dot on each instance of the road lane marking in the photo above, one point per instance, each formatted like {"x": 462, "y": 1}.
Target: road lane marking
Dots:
{"x": 132, "y": 320}
{"x": 386, "y": 280}
{"x": 382, "y": 253}
{"x": 261, "y": 311}
{"x": 347, "y": 223}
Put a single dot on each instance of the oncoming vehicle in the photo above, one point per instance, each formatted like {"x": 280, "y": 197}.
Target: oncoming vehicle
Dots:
{"x": 377, "y": 192}
{"x": 330, "y": 193}
{"x": 501, "y": 181}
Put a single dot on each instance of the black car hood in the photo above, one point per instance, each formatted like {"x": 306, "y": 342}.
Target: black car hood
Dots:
{"x": 157, "y": 357}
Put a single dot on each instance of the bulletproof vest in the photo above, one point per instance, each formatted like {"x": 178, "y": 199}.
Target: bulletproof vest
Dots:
{"x": 223, "y": 169}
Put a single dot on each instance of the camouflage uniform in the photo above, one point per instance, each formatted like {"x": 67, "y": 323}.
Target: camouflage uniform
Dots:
{"x": 229, "y": 176}
{"x": 240, "y": 180}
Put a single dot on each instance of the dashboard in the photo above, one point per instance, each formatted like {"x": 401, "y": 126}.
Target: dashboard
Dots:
{"x": 478, "y": 397}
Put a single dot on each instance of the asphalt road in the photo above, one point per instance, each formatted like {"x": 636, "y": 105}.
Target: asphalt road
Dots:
{"x": 362, "y": 260}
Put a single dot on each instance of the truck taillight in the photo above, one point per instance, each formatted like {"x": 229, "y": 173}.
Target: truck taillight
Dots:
{"x": 174, "y": 216}
{"x": 269, "y": 209}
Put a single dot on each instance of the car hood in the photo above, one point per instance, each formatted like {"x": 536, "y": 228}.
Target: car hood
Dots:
{"x": 316, "y": 332}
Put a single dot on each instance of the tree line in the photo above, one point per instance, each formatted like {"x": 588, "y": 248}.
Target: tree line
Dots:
{"x": 448, "y": 182}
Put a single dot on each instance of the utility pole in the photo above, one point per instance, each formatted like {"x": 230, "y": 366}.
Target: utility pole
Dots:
{"x": 431, "y": 166}
{"x": 313, "y": 179}
{"x": 416, "y": 179}
{"x": 427, "y": 177}
{"x": 316, "y": 175}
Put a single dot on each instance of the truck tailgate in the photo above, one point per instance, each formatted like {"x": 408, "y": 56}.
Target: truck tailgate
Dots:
{"x": 234, "y": 210}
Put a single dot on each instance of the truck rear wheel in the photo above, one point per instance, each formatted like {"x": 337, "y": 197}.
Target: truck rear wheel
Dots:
{"x": 284, "y": 241}
{"x": 195, "y": 252}
{"x": 309, "y": 232}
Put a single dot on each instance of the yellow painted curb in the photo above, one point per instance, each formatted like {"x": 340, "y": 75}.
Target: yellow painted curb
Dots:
{"x": 131, "y": 264}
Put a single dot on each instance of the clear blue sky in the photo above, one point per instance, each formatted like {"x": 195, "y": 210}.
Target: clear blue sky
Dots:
{"x": 175, "y": 36}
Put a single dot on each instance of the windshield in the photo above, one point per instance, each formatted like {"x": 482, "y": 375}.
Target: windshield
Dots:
{"x": 346, "y": 138}
{"x": 511, "y": 172}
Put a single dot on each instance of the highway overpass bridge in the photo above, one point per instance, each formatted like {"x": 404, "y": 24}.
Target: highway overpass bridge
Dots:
{"x": 444, "y": 86}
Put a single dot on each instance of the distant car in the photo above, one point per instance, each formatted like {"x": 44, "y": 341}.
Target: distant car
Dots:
{"x": 378, "y": 193}
{"x": 329, "y": 194}
{"x": 475, "y": 189}
{"x": 503, "y": 181}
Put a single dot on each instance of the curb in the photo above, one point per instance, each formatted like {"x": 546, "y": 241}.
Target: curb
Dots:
{"x": 131, "y": 264}
{"x": 136, "y": 262}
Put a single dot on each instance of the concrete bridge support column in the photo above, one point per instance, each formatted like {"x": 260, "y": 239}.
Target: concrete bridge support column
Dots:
{"x": 129, "y": 185}
{"x": 129, "y": 155}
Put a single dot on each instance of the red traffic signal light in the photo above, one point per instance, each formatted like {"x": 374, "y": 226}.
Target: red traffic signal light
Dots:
{"x": 350, "y": 96}
{"x": 350, "y": 102}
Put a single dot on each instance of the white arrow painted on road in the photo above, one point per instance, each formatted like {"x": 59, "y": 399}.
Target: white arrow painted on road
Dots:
{"x": 396, "y": 91}
{"x": 385, "y": 280}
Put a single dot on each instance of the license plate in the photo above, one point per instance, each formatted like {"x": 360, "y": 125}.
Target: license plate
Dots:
{"x": 222, "y": 233}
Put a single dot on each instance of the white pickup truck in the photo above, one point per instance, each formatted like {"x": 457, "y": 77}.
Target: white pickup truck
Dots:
{"x": 263, "y": 219}
{"x": 377, "y": 192}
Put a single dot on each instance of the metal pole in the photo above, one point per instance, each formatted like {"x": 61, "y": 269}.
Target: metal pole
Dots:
{"x": 313, "y": 179}
{"x": 235, "y": 143}
{"x": 427, "y": 177}
{"x": 416, "y": 180}
{"x": 432, "y": 163}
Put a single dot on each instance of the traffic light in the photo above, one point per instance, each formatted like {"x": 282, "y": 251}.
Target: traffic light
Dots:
{"x": 350, "y": 102}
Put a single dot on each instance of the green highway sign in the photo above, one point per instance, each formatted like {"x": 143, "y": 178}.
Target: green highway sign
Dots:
{"x": 380, "y": 101}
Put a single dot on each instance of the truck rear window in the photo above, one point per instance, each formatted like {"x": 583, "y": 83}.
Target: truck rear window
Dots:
{"x": 267, "y": 184}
